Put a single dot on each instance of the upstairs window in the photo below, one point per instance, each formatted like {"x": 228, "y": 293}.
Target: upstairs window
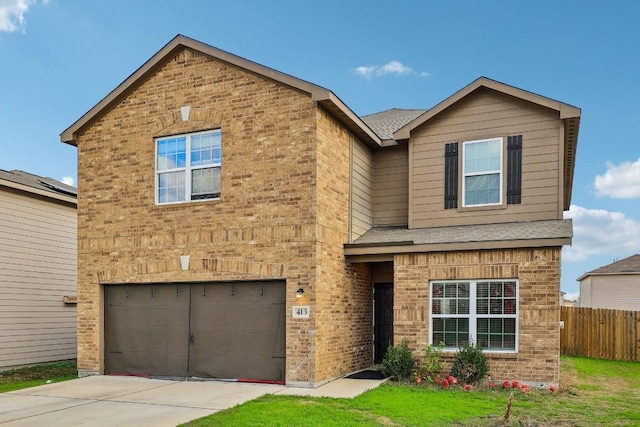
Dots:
{"x": 482, "y": 172}
{"x": 188, "y": 167}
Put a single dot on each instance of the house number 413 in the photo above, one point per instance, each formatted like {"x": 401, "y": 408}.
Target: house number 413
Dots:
{"x": 301, "y": 312}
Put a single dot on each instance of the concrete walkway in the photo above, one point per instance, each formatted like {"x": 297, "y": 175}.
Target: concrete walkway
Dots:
{"x": 131, "y": 401}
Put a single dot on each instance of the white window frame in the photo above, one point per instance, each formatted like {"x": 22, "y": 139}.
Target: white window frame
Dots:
{"x": 473, "y": 316}
{"x": 187, "y": 168}
{"x": 500, "y": 171}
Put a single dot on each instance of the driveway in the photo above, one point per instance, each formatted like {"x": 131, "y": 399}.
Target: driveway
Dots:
{"x": 131, "y": 401}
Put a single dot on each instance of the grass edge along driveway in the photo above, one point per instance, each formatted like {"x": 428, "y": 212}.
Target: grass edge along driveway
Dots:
{"x": 593, "y": 392}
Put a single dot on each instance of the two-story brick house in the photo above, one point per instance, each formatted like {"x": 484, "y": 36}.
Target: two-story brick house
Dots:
{"x": 235, "y": 221}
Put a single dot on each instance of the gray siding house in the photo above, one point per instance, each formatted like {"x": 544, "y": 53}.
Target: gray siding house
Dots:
{"x": 38, "y": 249}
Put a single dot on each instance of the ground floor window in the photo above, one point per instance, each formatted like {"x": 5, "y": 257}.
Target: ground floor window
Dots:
{"x": 483, "y": 311}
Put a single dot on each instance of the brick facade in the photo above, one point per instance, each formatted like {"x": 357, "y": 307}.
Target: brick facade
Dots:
{"x": 276, "y": 178}
{"x": 538, "y": 272}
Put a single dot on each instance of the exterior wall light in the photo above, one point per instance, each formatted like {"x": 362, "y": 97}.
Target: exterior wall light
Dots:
{"x": 299, "y": 293}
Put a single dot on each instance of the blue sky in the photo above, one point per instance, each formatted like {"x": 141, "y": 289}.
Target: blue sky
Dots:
{"x": 58, "y": 58}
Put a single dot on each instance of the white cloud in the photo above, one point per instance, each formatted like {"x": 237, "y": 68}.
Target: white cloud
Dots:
{"x": 12, "y": 14}
{"x": 68, "y": 180}
{"x": 393, "y": 67}
{"x": 572, "y": 296}
{"x": 619, "y": 182}
{"x": 600, "y": 232}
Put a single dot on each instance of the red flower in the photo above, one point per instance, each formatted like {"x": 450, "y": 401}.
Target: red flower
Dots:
{"x": 524, "y": 388}
{"x": 445, "y": 383}
{"x": 491, "y": 384}
{"x": 437, "y": 380}
{"x": 468, "y": 387}
{"x": 452, "y": 379}
{"x": 515, "y": 384}
{"x": 552, "y": 388}
{"x": 505, "y": 384}
{"x": 419, "y": 380}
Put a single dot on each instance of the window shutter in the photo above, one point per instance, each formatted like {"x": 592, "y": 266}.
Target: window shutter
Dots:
{"x": 514, "y": 170}
{"x": 451, "y": 176}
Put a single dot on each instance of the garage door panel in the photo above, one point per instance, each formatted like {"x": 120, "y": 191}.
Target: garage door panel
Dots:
{"x": 237, "y": 330}
{"x": 246, "y": 337}
{"x": 147, "y": 330}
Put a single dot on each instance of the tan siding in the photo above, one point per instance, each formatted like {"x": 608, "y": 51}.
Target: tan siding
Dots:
{"x": 487, "y": 114}
{"x": 619, "y": 292}
{"x": 38, "y": 249}
{"x": 361, "y": 190}
{"x": 390, "y": 206}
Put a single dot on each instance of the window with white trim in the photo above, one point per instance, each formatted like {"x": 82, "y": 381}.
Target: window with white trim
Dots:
{"x": 188, "y": 167}
{"x": 482, "y": 172}
{"x": 482, "y": 311}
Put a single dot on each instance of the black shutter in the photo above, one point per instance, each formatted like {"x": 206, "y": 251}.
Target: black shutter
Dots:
{"x": 514, "y": 170}
{"x": 451, "y": 176}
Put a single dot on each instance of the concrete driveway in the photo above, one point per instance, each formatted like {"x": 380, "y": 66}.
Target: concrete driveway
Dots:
{"x": 131, "y": 401}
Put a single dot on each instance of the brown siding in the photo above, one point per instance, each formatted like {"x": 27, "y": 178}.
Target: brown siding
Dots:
{"x": 391, "y": 186}
{"x": 38, "y": 252}
{"x": 487, "y": 114}
{"x": 361, "y": 189}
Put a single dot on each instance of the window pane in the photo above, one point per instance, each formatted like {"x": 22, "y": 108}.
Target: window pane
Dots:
{"x": 171, "y": 153}
{"x": 205, "y": 149}
{"x": 171, "y": 187}
{"x": 205, "y": 181}
{"x": 482, "y": 189}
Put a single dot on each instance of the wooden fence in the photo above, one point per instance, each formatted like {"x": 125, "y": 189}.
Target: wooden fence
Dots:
{"x": 600, "y": 333}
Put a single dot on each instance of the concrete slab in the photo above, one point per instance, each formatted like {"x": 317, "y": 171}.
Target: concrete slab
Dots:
{"x": 215, "y": 395}
{"x": 343, "y": 387}
{"x": 131, "y": 401}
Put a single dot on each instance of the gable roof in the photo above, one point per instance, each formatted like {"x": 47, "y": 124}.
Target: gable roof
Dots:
{"x": 34, "y": 184}
{"x": 630, "y": 265}
{"x": 385, "y": 123}
{"x": 569, "y": 114}
{"x": 324, "y": 97}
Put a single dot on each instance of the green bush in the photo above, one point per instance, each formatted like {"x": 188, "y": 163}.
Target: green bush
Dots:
{"x": 470, "y": 364}
{"x": 398, "y": 361}
{"x": 431, "y": 363}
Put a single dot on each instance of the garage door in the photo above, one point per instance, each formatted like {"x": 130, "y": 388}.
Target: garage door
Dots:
{"x": 211, "y": 330}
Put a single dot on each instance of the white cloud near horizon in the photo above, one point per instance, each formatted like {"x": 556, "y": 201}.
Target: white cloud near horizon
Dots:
{"x": 12, "y": 14}
{"x": 392, "y": 67}
{"x": 619, "y": 182}
{"x": 601, "y": 232}
{"x": 572, "y": 296}
{"x": 68, "y": 180}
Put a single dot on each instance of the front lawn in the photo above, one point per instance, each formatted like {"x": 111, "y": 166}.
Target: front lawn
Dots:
{"x": 593, "y": 392}
{"x": 16, "y": 379}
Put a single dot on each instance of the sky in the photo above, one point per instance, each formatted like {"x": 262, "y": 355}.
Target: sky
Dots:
{"x": 58, "y": 58}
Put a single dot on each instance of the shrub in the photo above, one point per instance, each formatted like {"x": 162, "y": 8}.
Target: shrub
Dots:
{"x": 431, "y": 363}
{"x": 470, "y": 364}
{"x": 398, "y": 361}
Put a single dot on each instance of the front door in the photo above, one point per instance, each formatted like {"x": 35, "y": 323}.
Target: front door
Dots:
{"x": 383, "y": 319}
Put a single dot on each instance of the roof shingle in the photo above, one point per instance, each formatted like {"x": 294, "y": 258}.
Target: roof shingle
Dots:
{"x": 385, "y": 123}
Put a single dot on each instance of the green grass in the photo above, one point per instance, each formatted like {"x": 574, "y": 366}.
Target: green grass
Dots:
{"x": 32, "y": 376}
{"x": 593, "y": 392}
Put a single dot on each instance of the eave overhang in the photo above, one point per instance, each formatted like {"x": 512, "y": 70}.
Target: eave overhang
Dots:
{"x": 324, "y": 97}
{"x": 54, "y": 197}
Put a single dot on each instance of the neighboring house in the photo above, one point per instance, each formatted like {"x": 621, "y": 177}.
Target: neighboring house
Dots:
{"x": 237, "y": 222}
{"x": 567, "y": 302}
{"x": 38, "y": 269}
{"x": 616, "y": 285}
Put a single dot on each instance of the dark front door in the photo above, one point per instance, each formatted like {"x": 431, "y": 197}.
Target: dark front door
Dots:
{"x": 383, "y": 319}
